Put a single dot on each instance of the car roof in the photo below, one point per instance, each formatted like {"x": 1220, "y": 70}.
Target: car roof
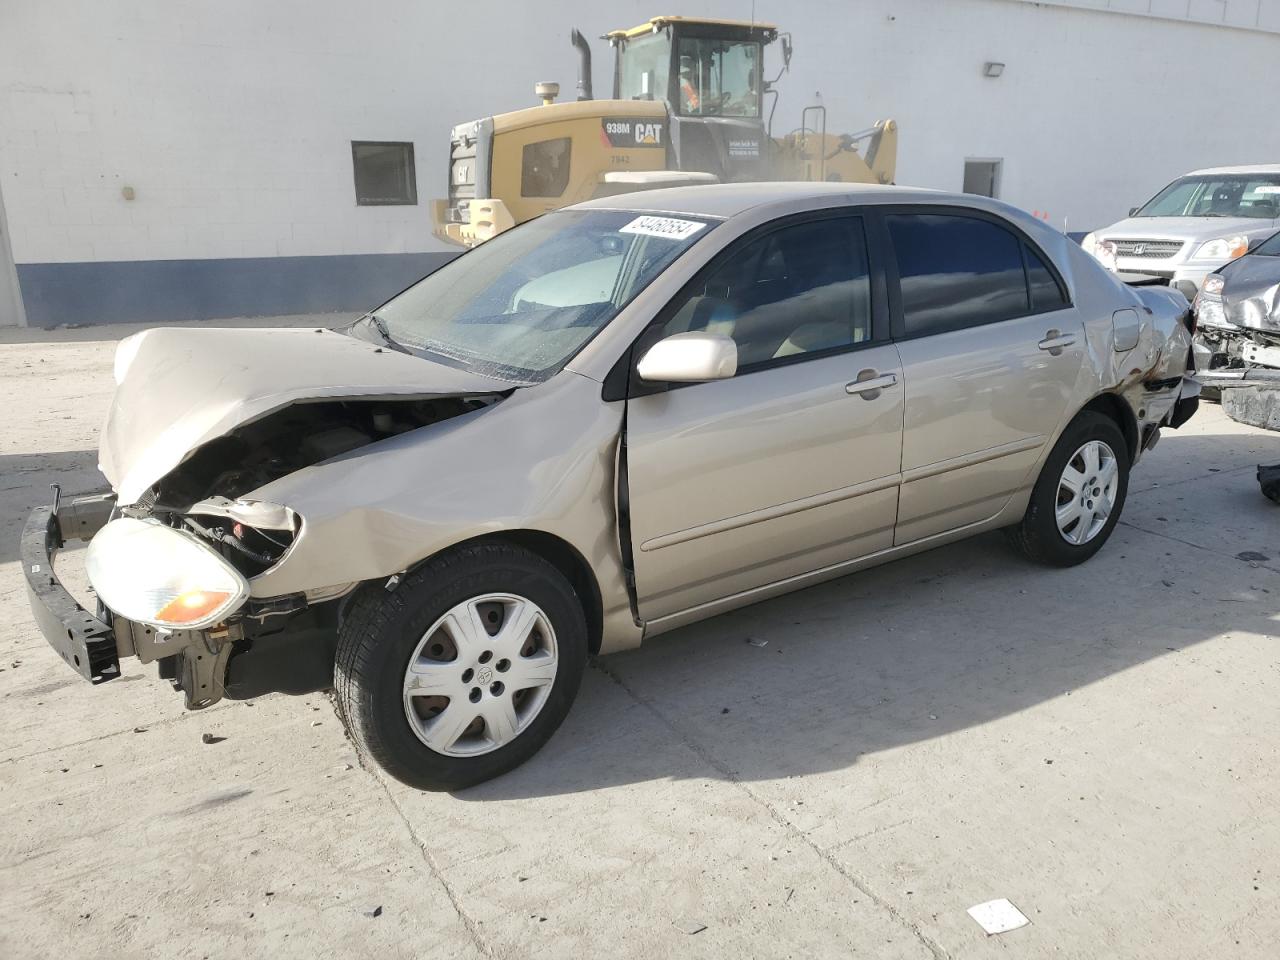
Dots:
{"x": 1242, "y": 168}
{"x": 724, "y": 200}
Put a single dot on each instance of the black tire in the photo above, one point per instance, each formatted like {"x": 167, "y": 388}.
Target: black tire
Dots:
{"x": 1037, "y": 536}
{"x": 382, "y": 629}
{"x": 1269, "y": 481}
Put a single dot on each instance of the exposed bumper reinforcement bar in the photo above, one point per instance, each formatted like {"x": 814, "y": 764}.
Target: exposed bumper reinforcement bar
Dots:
{"x": 85, "y": 642}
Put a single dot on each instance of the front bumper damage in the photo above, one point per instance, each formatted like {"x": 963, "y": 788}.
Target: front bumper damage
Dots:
{"x": 85, "y": 642}
{"x": 93, "y": 643}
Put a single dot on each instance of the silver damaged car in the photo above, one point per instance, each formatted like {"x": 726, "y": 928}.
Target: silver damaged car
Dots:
{"x": 614, "y": 420}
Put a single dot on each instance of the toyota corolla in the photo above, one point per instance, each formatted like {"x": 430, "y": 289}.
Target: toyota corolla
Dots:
{"x": 611, "y": 421}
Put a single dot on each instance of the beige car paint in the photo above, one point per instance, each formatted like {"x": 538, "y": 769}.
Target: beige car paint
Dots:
{"x": 177, "y": 389}
{"x": 735, "y": 495}
{"x": 820, "y": 485}
{"x": 982, "y": 404}
{"x": 504, "y": 468}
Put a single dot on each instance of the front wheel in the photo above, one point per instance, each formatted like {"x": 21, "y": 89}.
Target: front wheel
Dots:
{"x": 1077, "y": 499}
{"x": 464, "y": 670}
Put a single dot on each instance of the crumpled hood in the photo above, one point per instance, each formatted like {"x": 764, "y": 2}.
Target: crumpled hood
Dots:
{"x": 1251, "y": 293}
{"x": 1185, "y": 228}
{"x": 177, "y": 389}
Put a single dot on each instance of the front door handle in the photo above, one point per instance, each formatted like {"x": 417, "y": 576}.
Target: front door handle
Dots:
{"x": 1055, "y": 341}
{"x": 870, "y": 383}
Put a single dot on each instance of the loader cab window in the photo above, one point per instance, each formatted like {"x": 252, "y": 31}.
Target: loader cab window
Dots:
{"x": 644, "y": 67}
{"x": 718, "y": 78}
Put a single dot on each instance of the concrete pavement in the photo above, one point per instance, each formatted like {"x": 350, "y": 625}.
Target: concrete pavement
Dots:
{"x": 1097, "y": 744}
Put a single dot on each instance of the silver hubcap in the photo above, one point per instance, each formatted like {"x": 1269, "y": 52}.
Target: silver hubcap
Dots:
{"x": 480, "y": 675}
{"x": 1087, "y": 492}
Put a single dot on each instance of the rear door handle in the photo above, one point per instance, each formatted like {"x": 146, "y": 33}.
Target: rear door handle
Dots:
{"x": 1055, "y": 341}
{"x": 870, "y": 383}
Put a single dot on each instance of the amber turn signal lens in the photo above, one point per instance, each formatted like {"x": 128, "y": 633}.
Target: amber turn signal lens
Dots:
{"x": 192, "y": 605}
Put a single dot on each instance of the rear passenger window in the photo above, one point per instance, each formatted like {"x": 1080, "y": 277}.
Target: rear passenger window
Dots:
{"x": 801, "y": 289}
{"x": 1046, "y": 294}
{"x": 956, "y": 272}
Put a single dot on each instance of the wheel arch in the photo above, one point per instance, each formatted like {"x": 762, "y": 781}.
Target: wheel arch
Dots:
{"x": 1115, "y": 408}
{"x": 566, "y": 558}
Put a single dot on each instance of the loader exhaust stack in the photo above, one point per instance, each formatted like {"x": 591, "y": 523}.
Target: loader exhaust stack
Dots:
{"x": 584, "y": 64}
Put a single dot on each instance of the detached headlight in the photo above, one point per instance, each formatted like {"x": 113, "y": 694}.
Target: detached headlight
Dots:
{"x": 1213, "y": 284}
{"x": 1223, "y": 248}
{"x": 153, "y": 574}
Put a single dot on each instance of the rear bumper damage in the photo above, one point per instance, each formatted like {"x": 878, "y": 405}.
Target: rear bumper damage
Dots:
{"x": 1188, "y": 402}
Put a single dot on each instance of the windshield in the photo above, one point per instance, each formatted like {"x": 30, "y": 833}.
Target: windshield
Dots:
{"x": 719, "y": 77}
{"x": 1269, "y": 247}
{"x": 521, "y": 305}
{"x": 1227, "y": 195}
{"x": 644, "y": 65}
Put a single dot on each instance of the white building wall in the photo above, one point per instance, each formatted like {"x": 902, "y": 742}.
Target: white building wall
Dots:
{"x": 232, "y": 121}
{"x": 1246, "y": 14}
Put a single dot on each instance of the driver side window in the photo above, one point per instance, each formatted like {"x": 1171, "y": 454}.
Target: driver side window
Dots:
{"x": 801, "y": 289}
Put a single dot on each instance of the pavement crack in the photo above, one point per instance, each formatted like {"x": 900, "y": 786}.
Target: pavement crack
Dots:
{"x": 1194, "y": 546}
{"x": 468, "y": 922}
{"x": 1201, "y": 478}
{"x": 861, "y": 884}
{"x": 140, "y": 730}
{"x": 869, "y": 833}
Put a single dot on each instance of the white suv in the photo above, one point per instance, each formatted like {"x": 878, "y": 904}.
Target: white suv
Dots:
{"x": 1193, "y": 226}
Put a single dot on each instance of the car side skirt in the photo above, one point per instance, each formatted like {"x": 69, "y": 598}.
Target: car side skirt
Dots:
{"x": 1009, "y": 514}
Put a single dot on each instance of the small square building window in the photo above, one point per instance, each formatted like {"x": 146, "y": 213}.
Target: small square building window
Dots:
{"x": 384, "y": 173}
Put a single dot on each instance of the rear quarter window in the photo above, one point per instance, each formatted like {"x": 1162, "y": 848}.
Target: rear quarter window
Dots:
{"x": 1045, "y": 290}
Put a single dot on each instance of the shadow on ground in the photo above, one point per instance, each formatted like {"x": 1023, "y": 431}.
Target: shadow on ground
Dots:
{"x": 907, "y": 652}
{"x": 24, "y": 484}
{"x": 922, "y": 647}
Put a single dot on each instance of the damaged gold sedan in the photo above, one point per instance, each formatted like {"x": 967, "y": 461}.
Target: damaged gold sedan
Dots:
{"x": 609, "y": 422}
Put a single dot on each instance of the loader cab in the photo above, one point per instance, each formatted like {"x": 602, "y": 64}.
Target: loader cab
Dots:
{"x": 709, "y": 73}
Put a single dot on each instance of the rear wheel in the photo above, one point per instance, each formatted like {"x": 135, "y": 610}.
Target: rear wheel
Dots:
{"x": 1079, "y": 495}
{"x": 463, "y": 671}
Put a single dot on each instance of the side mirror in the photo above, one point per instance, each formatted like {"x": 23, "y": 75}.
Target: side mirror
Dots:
{"x": 689, "y": 358}
{"x": 1134, "y": 210}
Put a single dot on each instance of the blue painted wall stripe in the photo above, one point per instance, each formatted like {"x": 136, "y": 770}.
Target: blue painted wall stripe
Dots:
{"x": 156, "y": 291}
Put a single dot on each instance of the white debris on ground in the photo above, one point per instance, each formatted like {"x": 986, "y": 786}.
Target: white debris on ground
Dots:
{"x": 998, "y": 916}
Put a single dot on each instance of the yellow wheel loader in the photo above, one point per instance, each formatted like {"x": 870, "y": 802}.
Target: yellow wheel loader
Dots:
{"x": 688, "y": 107}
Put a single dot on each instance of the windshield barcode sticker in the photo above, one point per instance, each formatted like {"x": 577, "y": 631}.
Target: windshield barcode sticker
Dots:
{"x": 668, "y": 227}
